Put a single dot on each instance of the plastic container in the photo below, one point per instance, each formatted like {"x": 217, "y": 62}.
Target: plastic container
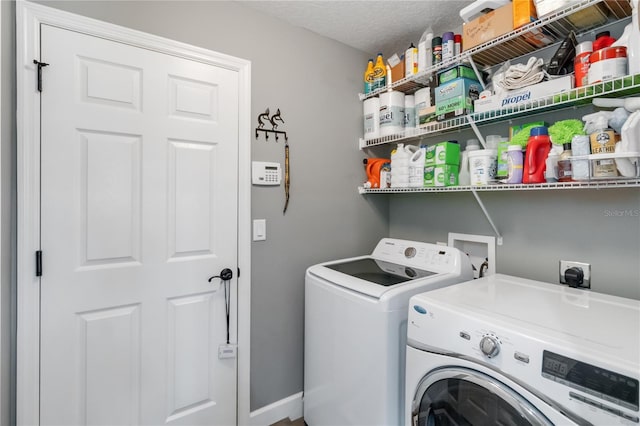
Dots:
{"x": 409, "y": 111}
{"x": 411, "y": 61}
{"x": 400, "y": 165}
{"x": 368, "y": 78}
{"x": 607, "y": 63}
{"x": 538, "y": 147}
{"x": 482, "y": 166}
{"x": 425, "y": 56}
{"x": 603, "y": 40}
{"x": 464, "y": 177}
{"x": 416, "y": 168}
{"x": 391, "y": 113}
{"x": 371, "y": 108}
{"x": 551, "y": 168}
{"x": 581, "y": 63}
{"x": 633, "y": 46}
{"x": 515, "y": 160}
{"x": 580, "y": 145}
{"x": 447, "y": 46}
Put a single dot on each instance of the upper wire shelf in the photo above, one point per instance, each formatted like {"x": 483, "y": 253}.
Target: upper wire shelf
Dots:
{"x": 622, "y": 86}
{"x": 513, "y": 44}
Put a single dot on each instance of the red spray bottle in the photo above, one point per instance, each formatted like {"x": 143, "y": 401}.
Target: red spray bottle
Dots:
{"x": 538, "y": 147}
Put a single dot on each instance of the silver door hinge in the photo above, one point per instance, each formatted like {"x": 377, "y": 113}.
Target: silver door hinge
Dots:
{"x": 39, "y": 263}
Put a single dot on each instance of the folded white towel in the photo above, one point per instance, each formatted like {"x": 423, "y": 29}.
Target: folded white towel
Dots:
{"x": 521, "y": 75}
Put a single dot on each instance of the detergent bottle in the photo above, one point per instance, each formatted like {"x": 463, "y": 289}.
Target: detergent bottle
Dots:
{"x": 379, "y": 73}
{"x": 400, "y": 165}
{"x": 416, "y": 168}
{"x": 538, "y": 147}
{"x": 368, "y": 78}
{"x": 373, "y": 167}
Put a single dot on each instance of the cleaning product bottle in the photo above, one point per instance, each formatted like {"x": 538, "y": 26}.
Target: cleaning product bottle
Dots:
{"x": 425, "y": 57}
{"x": 447, "y": 46}
{"x": 411, "y": 61}
{"x": 464, "y": 178}
{"x": 368, "y": 78}
{"x": 379, "y": 73}
{"x": 603, "y": 40}
{"x": 538, "y": 147}
{"x": 564, "y": 164}
{"x": 581, "y": 62}
{"x": 416, "y": 168}
{"x": 400, "y": 166}
{"x": 603, "y": 141}
{"x": 457, "y": 44}
{"x": 514, "y": 164}
{"x": 436, "y": 50}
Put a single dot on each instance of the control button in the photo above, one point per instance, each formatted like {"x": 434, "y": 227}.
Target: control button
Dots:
{"x": 465, "y": 335}
{"x": 410, "y": 252}
{"x": 521, "y": 357}
{"x": 490, "y": 346}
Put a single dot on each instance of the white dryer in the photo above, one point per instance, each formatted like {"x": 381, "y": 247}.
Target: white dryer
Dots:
{"x": 356, "y": 326}
{"x": 510, "y": 351}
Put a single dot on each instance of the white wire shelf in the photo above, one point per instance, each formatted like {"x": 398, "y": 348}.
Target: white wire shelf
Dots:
{"x": 603, "y": 184}
{"x": 513, "y": 44}
{"x": 619, "y": 87}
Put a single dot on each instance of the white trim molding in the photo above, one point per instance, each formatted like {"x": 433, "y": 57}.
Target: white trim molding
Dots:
{"x": 290, "y": 407}
{"x": 29, "y": 18}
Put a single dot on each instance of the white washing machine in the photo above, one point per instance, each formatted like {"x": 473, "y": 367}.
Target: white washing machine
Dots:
{"x": 510, "y": 351}
{"x": 356, "y": 327}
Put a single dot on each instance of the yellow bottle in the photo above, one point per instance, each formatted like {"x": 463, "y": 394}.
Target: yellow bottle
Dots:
{"x": 368, "y": 78}
{"x": 379, "y": 73}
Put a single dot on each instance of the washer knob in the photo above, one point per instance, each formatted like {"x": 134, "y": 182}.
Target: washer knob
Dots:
{"x": 490, "y": 346}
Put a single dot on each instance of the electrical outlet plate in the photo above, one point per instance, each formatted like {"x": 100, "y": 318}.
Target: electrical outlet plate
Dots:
{"x": 586, "y": 270}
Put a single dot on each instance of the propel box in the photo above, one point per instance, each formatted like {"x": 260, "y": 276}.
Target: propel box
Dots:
{"x": 456, "y": 98}
{"x": 520, "y": 96}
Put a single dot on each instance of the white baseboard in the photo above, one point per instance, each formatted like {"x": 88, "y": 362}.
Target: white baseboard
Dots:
{"x": 290, "y": 406}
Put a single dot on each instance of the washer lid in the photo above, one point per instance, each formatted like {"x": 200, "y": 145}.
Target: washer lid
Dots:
{"x": 379, "y": 271}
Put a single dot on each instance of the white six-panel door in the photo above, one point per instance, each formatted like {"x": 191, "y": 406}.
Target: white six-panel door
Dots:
{"x": 139, "y": 184}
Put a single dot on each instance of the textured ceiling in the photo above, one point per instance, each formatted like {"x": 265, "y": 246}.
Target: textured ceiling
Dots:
{"x": 371, "y": 26}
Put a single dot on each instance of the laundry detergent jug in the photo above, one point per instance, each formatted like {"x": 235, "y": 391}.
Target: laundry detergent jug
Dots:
{"x": 416, "y": 168}
{"x": 372, "y": 166}
{"x": 538, "y": 147}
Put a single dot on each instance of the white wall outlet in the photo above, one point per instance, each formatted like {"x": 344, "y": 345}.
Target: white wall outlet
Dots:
{"x": 479, "y": 248}
{"x": 584, "y": 267}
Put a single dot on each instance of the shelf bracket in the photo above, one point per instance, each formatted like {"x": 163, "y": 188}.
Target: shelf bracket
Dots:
{"x": 475, "y": 69}
{"x": 486, "y": 214}
{"x": 473, "y": 125}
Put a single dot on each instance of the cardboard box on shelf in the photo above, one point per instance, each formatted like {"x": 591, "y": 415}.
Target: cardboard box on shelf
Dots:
{"x": 456, "y": 71}
{"x": 488, "y": 26}
{"x": 445, "y": 175}
{"x": 529, "y": 93}
{"x": 426, "y": 115}
{"x": 524, "y": 12}
{"x": 397, "y": 67}
{"x": 442, "y": 153}
{"x": 456, "y": 98}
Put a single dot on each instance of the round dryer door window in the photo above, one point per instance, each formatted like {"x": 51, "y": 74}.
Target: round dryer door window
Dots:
{"x": 461, "y": 396}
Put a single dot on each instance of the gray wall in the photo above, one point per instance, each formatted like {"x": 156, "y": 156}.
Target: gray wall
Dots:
{"x": 314, "y": 81}
{"x": 539, "y": 227}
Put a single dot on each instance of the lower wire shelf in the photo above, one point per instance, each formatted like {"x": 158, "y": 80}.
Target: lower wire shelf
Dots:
{"x": 593, "y": 184}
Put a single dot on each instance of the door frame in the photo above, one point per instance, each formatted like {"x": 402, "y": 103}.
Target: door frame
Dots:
{"x": 29, "y": 17}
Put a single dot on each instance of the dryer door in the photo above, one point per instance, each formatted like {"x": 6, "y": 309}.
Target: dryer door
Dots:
{"x": 461, "y": 396}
